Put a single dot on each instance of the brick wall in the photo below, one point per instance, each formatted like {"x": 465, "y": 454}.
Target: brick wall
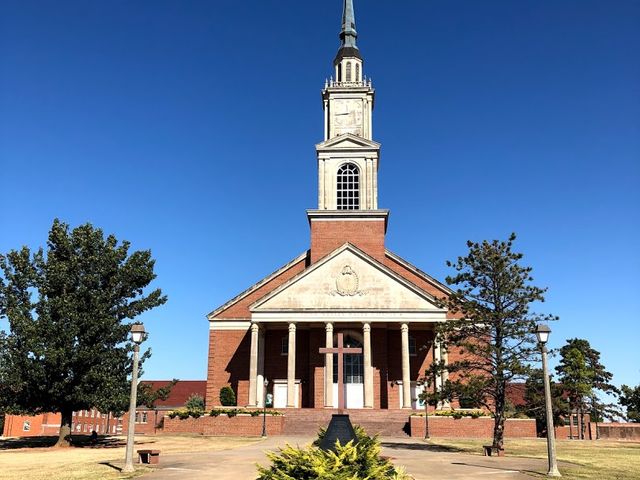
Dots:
{"x": 240, "y": 426}
{"x": 229, "y": 353}
{"x": 619, "y": 431}
{"x": 471, "y": 427}
{"x": 327, "y": 235}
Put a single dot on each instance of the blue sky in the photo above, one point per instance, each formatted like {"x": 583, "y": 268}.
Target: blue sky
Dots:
{"x": 188, "y": 128}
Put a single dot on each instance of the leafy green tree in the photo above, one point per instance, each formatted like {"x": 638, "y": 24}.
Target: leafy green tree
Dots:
{"x": 582, "y": 376}
{"x": 68, "y": 309}
{"x": 534, "y": 406}
{"x": 492, "y": 331}
{"x": 630, "y": 399}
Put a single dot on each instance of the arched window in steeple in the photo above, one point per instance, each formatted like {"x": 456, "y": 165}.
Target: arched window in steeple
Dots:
{"x": 357, "y": 72}
{"x": 348, "y": 187}
{"x": 348, "y": 75}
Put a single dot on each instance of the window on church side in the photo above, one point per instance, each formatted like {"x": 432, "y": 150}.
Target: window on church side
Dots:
{"x": 284, "y": 348}
{"x": 413, "y": 351}
{"x": 348, "y": 187}
{"x": 348, "y": 72}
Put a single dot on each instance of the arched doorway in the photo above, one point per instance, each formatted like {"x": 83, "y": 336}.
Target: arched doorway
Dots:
{"x": 353, "y": 372}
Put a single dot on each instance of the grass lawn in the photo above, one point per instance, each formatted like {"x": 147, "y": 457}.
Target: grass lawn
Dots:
{"x": 603, "y": 460}
{"x": 35, "y": 459}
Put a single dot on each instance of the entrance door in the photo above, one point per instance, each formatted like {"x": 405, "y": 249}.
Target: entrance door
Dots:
{"x": 353, "y": 376}
{"x": 280, "y": 393}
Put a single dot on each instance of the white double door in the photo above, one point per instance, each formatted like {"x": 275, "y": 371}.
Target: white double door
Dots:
{"x": 353, "y": 395}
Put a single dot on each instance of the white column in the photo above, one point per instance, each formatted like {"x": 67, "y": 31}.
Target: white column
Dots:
{"x": 406, "y": 375}
{"x": 260, "y": 377}
{"x": 291, "y": 367}
{"x": 368, "y": 370}
{"x": 328, "y": 366}
{"x": 253, "y": 365}
{"x": 445, "y": 375}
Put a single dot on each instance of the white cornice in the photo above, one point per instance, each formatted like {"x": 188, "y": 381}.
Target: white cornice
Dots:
{"x": 225, "y": 325}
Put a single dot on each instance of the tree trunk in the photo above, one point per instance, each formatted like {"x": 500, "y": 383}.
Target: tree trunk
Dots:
{"x": 107, "y": 431}
{"x": 498, "y": 431}
{"x": 64, "y": 439}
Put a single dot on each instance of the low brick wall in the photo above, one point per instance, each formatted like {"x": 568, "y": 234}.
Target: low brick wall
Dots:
{"x": 619, "y": 431}
{"x": 472, "y": 427}
{"x": 224, "y": 426}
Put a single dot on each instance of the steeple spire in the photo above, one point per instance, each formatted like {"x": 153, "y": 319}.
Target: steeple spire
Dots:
{"x": 348, "y": 34}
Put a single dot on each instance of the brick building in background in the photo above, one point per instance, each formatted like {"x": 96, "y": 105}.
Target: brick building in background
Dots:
{"x": 148, "y": 420}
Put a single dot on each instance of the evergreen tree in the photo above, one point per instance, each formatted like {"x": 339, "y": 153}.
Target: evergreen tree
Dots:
{"x": 68, "y": 308}
{"x": 582, "y": 376}
{"x": 493, "y": 329}
{"x": 630, "y": 399}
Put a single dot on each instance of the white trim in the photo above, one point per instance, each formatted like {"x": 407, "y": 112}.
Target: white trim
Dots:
{"x": 224, "y": 325}
{"x": 349, "y": 316}
{"x": 363, "y": 256}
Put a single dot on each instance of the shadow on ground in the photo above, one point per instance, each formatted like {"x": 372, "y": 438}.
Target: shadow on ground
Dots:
{"x": 81, "y": 441}
{"x": 424, "y": 447}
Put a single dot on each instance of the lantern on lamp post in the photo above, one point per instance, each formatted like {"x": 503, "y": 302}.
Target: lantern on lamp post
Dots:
{"x": 542, "y": 333}
{"x": 137, "y": 336}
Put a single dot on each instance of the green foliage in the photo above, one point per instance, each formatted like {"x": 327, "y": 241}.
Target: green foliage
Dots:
{"x": 630, "y": 399}
{"x": 455, "y": 413}
{"x": 534, "y": 406}
{"x": 582, "y": 376}
{"x": 195, "y": 403}
{"x": 69, "y": 310}
{"x": 361, "y": 461}
{"x": 227, "y": 397}
{"x": 493, "y": 334}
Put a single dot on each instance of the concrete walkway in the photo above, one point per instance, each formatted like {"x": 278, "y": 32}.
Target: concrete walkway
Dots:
{"x": 422, "y": 461}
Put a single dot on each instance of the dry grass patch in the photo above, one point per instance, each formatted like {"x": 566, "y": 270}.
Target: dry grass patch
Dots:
{"x": 37, "y": 461}
{"x": 582, "y": 459}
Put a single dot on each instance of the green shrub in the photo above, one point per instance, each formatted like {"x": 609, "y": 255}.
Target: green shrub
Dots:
{"x": 183, "y": 414}
{"x": 457, "y": 415}
{"x": 232, "y": 412}
{"x": 227, "y": 397}
{"x": 195, "y": 403}
{"x": 214, "y": 413}
{"x": 254, "y": 413}
{"x": 361, "y": 461}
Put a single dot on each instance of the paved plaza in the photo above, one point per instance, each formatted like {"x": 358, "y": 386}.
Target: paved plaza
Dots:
{"x": 422, "y": 461}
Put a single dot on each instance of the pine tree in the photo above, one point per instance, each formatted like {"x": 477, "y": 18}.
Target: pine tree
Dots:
{"x": 69, "y": 309}
{"x": 534, "y": 406}
{"x": 630, "y": 399}
{"x": 582, "y": 376}
{"x": 492, "y": 331}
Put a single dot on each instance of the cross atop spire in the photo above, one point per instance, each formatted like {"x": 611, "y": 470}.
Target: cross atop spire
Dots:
{"x": 348, "y": 34}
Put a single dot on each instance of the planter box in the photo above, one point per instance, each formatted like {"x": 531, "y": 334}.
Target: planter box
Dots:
{"x": 241, "y": 425}
{"x": 467, "y": 427}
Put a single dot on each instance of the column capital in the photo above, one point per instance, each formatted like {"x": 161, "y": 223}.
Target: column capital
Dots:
{"x": 292, "y": 327}
{"x": 366, "y": 326}
{"x": 255, "y": 327}
{"x": 328, "y": 327}
{"x": 404, "y": 327}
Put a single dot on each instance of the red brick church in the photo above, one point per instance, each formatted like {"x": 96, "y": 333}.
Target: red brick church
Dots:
{"x": 346, "y": 282}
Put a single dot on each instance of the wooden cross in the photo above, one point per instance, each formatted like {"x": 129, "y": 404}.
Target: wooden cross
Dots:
{"x": 341, "y": 351}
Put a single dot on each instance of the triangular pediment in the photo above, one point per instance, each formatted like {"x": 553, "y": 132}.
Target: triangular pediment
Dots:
{"x": 347, "y": 141}
{"x": 347, "y": 280}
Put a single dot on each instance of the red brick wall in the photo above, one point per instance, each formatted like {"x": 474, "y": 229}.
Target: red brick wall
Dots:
{"x": 327, "y": 235}
{"x": 471, "y": 427}
{"x": 618, "y": 431}
{"x": 240, "y": 426}
{"x": 228, "y": 365}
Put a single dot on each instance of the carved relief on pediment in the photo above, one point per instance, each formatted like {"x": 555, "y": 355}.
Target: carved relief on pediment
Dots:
{"x": 347, "y": 283}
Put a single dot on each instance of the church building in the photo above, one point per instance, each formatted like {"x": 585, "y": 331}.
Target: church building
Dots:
{"x": 346, "y": 283}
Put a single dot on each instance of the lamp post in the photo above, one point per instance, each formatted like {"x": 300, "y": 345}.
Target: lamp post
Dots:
{"x": 264, "y": 408}
{"x": 137, "y": 335}
{"x": 542, "y": 332}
